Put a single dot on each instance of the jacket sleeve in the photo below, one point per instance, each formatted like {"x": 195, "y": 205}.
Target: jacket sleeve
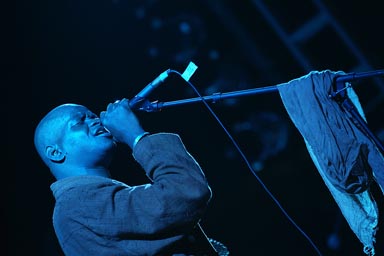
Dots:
{"x": 174, "y": 200}
{"x": 176, "y": 175}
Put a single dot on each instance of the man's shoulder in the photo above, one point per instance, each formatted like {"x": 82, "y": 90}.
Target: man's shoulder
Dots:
{"x": 81, "y": 182}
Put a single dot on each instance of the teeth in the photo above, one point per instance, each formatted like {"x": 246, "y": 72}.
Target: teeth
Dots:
{"x": 100, "y": 131}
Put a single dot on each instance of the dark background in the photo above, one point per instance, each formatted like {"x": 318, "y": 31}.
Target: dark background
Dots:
{"x": 94, "y": 52}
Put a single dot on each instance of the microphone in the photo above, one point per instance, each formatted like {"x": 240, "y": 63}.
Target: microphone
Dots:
{"x": 137, "y": 101}
{"x": 339, "y": 87}
{"x": 356, "y": 76}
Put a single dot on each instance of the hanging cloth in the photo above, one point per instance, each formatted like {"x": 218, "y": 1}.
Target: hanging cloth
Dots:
{"x": 346, "y": 159}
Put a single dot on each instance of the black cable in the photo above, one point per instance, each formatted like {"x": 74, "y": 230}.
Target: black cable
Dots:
{"x": 249, "y": 165}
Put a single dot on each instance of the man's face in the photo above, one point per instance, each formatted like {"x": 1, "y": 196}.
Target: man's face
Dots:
{"x": 85, "y": 141}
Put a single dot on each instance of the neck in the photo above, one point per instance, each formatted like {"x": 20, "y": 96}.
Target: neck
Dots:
{"x": 69, "y": 172}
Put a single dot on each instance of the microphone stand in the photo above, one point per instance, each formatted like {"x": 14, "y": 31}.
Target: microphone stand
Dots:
{"x": 157, "y": 106}
{"x": 339, "y": 95}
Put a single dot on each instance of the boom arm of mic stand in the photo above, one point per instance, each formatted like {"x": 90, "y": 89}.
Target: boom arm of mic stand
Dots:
{"x": 338, "y": 95}
{"x": 157, "y": 106}
{"x": 215, "y": 97}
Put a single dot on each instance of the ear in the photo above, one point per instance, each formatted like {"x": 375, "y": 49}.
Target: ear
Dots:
{"x": 55, "y": 154}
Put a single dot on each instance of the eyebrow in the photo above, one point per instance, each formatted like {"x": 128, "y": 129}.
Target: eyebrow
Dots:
{"x": 80, "y": 114}
{"x": 76, "y": 115}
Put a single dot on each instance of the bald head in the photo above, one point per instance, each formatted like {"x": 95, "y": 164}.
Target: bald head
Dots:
{"x": 50, "y": 127}
{"x": 71, "y": 141}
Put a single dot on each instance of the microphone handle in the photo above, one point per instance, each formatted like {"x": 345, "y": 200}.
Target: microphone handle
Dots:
{"x": 138, "y": 100}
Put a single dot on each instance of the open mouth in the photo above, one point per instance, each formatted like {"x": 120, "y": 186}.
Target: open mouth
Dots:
{"x": 101, "y": 131}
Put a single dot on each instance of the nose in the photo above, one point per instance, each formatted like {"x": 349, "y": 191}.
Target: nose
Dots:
{"x": 94, "y": 122}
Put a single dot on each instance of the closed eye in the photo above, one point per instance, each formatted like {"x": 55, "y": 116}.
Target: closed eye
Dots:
{"x": 78, "y": 120}
{"x": 77, "y": 123}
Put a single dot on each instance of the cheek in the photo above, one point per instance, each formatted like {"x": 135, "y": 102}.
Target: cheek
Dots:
{"x": 97, "y": 144}
{"x": 76, "y": 142}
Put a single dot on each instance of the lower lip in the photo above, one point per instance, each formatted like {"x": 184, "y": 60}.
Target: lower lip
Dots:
{"x": 106, "y": 134}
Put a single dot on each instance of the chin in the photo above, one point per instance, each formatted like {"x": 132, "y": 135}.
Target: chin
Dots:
{"x": 108, "y": 156}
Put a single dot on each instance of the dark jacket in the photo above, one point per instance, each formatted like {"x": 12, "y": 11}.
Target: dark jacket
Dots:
{"x": 100, "y": 216}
